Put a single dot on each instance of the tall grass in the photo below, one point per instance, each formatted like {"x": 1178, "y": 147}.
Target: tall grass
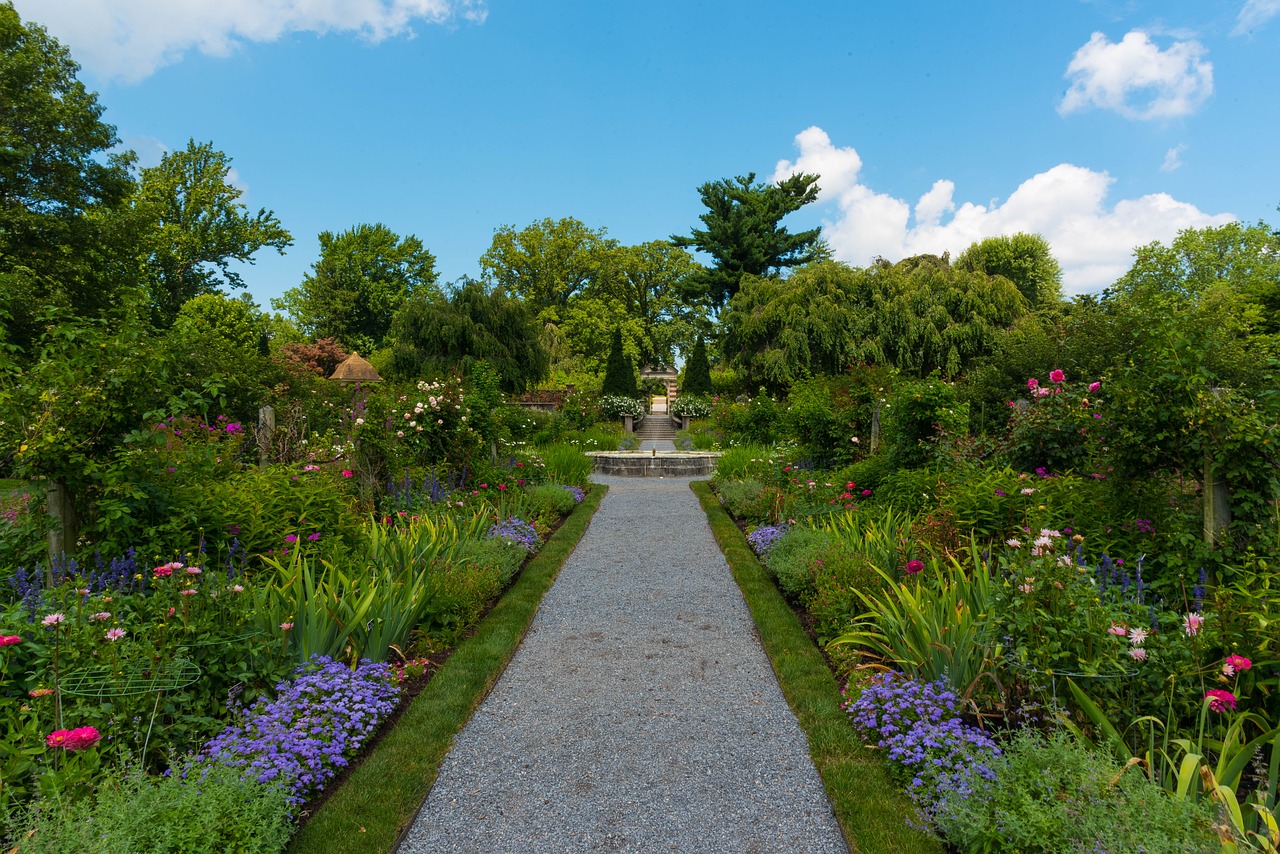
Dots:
{"x": 566, "y": 464}
{"x": 884, "y": 538}
{"x": 745, "y": 461}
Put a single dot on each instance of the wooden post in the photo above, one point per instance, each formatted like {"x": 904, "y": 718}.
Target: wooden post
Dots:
{"x": 266, "y": 433}
{"x": 64, "y": 533}
{"x": 875, "y": 428}
{"x": 1216, "y": 499}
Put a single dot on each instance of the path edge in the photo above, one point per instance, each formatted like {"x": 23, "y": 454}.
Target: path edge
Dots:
{"x": 871, "y": 808}
{"x": 388, "y": 789}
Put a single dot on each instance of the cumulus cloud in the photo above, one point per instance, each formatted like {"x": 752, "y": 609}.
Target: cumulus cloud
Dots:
{"x": 1138, "y": 80}
{"x": 1173, "y": 158}
{"x": 1066, "y": 204}
{"x": 1254, "y": 14}
{"x": 129, "y": 39}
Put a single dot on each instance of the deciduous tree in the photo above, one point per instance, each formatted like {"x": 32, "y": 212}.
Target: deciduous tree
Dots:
{"x": 365, "y": 275}
{"x": 194, "y": 227}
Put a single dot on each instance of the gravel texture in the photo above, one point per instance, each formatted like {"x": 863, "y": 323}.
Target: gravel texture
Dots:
{"x": 639, "y": 714}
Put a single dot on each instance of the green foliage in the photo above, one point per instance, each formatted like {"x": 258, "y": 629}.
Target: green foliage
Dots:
{"x": 619, "y": 373}
{"x": 1052, "y": 794}
{"x": 750, "y": 500}
{"x": 364, "y": 277}
{"x": 216, "y": 342}
{"x": 567, "y": 464}
{"x": 755, "y": 461}
{"x": 62, "y": 186}
{"x": 547, "y": 263}
{"x": 695, "y": 406}
{"x": 830, "y": 417}
{"x": 937, "y": 626}
{"x": 205, "y": 809}
{"x": 755, "y": 421}
{"x": 194, "y": 227}
{"x": 743, "y": 236}
{"x": 1024, "y": 259}
{"x": 917, "y": 414}
{"x": 648, "y": 287}
{"x": 697, "y": 371}
{"x": 435, "y": 337}
{"x": 552, "y": 496}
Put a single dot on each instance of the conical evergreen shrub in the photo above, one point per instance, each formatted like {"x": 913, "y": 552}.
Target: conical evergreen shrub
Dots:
{"x": 619, "y": 376}
{"x": 697, "y": 374}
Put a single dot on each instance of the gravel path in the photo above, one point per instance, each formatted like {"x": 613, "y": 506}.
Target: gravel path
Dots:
{"x": 639, "y": 714}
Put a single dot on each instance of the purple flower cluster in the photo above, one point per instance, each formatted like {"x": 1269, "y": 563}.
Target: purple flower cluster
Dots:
{"x": 516, "y": 531}
{"x": 317, "y": 720}
{"x": 577, "y": 493}
{"x": 763, "y": 538}
{"x": 919, "y": 726}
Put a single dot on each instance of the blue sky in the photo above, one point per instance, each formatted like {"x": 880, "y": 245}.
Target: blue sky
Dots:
{"x": 1102, "y": 125}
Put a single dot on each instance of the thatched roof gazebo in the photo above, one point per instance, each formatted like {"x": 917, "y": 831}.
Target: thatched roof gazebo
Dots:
{"x": 355, "y": 370}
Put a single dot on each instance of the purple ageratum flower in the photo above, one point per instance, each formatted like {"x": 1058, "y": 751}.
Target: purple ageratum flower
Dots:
{"x": 577, "y": 493}
{"x": 765, "y": 537}
{"x": 317, "y": 721}
{"x": 516, "y": 531}
{"x": 919, "y": 726}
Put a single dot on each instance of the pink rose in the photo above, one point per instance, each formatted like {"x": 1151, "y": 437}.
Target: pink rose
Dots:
{"x": 1057, "y": 376}
{"x": 1094, "y": 386}
{"x": 1033, "y": 383}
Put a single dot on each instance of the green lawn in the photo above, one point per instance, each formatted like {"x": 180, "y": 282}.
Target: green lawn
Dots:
{"x": 871, "y": 808}
{"x": 382, "y": 796}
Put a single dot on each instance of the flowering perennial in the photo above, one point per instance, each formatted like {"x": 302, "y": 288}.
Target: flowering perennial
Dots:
{"x": 74, "y": 739}
{"x": 516, "y": 531}
{"x": 765, "y": 537}
{"x": 919, "y": 726}
{"x": 317, "y": 721}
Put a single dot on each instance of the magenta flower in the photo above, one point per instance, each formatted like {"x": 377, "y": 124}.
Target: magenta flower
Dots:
{"x": 346, "y": 472}
{"x": 292, "y": 538}
{"x": 1238, "y": 663}
{"x": 1057, "y": 376}
{"x": 313, "y": 537}
{"x": 73, "y": 739}
{"x": 1033, "y": 383}
{"x": 1094, "y": 386}
{"x": 914, "y": 567}
{"x": 10, "y": 640}
{"x": 1220, "y": 700}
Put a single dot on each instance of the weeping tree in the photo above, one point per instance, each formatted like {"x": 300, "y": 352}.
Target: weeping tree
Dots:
{"x": 619, "y": 376}
{"x": 473, "y": 324}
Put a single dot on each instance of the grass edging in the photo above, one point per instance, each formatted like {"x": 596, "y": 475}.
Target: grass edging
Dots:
{"x": 382, "y": 796}
{"x": 871, "y": 808}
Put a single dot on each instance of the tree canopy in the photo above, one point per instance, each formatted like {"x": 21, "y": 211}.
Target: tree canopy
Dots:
{"x": 474, "y": 324}
{"x": 195, "y": 227}
{"x": 743, "y": 235}
{"x": 364, "y": 276}
{"x": 619, "y": 373}
{"x": 58, "y": 174}
{"x": 548, "y": 263}
{"x": 1024, "y": 259}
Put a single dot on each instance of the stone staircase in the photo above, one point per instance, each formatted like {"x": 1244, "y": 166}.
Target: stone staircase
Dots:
{"x": 656, "y": 426}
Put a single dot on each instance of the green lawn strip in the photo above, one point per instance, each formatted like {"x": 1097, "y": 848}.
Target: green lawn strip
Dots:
{"x": 381, "y": 796}
{"x": 871, "y": 808}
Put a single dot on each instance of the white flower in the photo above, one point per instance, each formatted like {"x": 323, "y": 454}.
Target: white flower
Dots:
{"x": 1137, "y": 636}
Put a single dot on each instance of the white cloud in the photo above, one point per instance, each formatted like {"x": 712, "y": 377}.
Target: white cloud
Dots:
{"x": 1173, "y": 158}
{"x": 129, "y": 39}
{"x": 1065, "y": 204}
{"x": 1137, "y": 79}
{"x": 1254, "y": 14}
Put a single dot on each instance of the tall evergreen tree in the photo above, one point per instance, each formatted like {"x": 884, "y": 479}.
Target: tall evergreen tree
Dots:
{"x": 697, "y": 374}
{"x": 619, "y": 376}
{"x": 743, "y": 236}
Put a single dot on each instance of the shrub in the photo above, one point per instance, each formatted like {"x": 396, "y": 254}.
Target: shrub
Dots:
{"x": 908, "y": 490}
{"x": 750, "y": 500}
{"x": 692, "y": 405}
{"x": 791, "y": 560}
{"x": 196, "y": 809}
{"x": 614, "y": 406}
{"x": 1052, "y": 794}
{"x": 550, "y": 499}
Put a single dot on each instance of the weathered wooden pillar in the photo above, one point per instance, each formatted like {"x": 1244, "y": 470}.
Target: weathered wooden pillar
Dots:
{"x": 65, "y": 530}
{"x": 1216, "y": 499}
{"x": 875, "y": 429}
{"x": 265, "y": 435}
